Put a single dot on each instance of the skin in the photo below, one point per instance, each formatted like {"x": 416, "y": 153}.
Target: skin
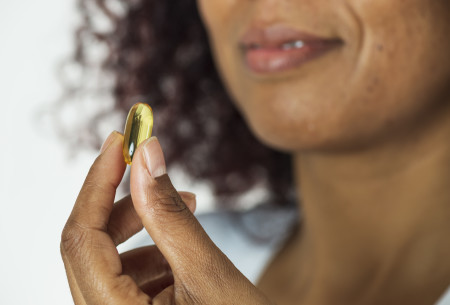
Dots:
{"x": 185, "y": 267}
{"x": 368, "y": 127}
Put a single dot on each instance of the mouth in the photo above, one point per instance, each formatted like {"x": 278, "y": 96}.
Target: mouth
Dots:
{"x": 279, "y": 48}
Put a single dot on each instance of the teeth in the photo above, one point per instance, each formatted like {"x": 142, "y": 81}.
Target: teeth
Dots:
{"x": 293, "y": 45}
{"x": 296, "y": 44}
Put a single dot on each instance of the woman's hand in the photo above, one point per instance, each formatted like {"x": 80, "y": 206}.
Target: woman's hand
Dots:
{"x": 185, "y": 267}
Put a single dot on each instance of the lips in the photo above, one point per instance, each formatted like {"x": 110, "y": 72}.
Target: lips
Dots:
{"x": 277, "y": 48}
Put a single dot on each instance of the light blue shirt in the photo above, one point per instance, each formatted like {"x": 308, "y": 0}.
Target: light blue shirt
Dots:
{"x": 251, "y": 239}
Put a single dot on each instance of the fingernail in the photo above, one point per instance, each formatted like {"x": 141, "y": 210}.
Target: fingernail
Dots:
{"x": 154, "y": 157}
{"x": 108, "y": 141}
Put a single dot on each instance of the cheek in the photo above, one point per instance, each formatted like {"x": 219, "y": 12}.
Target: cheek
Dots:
{"x": 215, "y": 12}
{"x": 378, "y": 88}
{"x": 222, "y": 19}
{"x": 403, "y": 68}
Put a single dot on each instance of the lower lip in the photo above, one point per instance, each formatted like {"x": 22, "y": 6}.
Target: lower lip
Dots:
{"x": 270, "y": 60}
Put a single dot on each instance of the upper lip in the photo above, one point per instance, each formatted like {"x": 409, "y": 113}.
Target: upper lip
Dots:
{"x": 275, "y": 36}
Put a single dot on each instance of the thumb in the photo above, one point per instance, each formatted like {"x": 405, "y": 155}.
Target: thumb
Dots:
{"x": 172, "y": 226}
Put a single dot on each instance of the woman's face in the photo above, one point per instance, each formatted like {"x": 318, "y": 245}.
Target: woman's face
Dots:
{"x": 370, "y": 70}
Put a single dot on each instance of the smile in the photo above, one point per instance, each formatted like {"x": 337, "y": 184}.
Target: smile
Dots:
{"x": 278, "y": 48}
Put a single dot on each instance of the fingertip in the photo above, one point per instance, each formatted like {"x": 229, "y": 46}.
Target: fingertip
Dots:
{"x": 96, "y": 197}
{"x": 154, "y": 157}
{"x": 147, "y": 156}
{"x": 110, "y": 140}
{"x": 140, "y": 181}
{"x": 109, "y": 164}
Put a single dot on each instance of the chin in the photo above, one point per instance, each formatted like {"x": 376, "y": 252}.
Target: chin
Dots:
{"x": 313, "y": 135}
{"x": 287, "y": 138}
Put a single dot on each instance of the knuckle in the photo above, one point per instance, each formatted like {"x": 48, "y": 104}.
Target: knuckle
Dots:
{"x": 164, "y": 201}
{"x": 93, "y": 185}
{"x": 170, "y": 203}
{"x": 73, "y": 237}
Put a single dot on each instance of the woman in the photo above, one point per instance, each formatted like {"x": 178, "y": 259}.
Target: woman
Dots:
{"x": 356, "y": 92}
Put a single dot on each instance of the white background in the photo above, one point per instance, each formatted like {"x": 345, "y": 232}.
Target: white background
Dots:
{"x": 38, "y": 181}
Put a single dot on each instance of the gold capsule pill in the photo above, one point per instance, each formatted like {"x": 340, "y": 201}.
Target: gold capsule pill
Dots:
{"x": 138, "y": 128}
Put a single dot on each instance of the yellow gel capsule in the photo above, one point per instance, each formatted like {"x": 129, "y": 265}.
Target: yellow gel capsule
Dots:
{"x": 138, "y": 128}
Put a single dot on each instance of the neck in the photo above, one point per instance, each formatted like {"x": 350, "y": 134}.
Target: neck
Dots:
{"x": 378, "y": 221}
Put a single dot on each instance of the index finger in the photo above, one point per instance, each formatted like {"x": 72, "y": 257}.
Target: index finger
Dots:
{"x": 96, "y": 198}
{"x": 87, "y": 249}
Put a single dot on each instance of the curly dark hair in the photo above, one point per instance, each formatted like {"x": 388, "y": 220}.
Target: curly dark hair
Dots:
{"x": 158, "y": 53}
